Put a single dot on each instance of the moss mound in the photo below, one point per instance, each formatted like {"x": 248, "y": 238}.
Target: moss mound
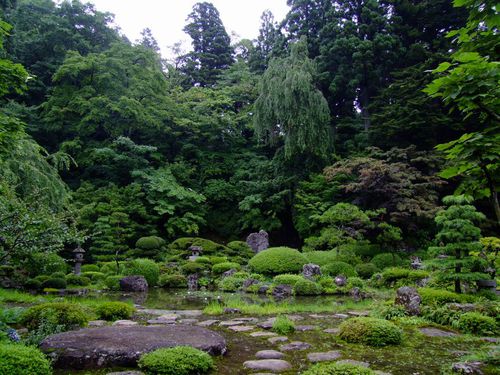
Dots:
{"x": 370, "y": 331}
{"x": 23, "y": 360}
{"x": 278, "y": 260}
{"x": 181, "y": 360}
{"x": 64, "y": 314}
{"x": 338, "y": 369}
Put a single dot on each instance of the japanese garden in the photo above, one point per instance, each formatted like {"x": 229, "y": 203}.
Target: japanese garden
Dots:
{"x": 319, "y": 200}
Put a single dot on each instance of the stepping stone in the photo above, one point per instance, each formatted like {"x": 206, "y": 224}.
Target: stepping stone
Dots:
{"x": 268, "y": 324}
{"x": 168, "y": 317}
{"x": 241, "y": 328}
{"x": 493, "y": 340}
{"x": 274, "y": 340}
{"x": 354, "y": 362}
{"x": 229, "y": 323}
{"x": 263, "y": 334}
{"x": 435, "y": 332}
{"x": 295, "y": 318}
{"x": 252, "y": 320}
{"x": 333, "y": 331}
{"x": 160, "y": 321}
{"x": 378, "y": 372}
{"x": 318, "y": 316}
{"x": 269, "y": 354}
{"x": 188, "y": 321}
{"x": 275, "y": 365}
{"x": 97, "y": 323}
{"x": 208, "y": 323}
{"x": 305, "y": 328}
{"x": 125, "y": 322}
{"x": 322, "y": 357}
{"x": 126, "y": 373}
{"x": 340, "y": 316}
{"x": 188, "y": 313}
{"x": 358, "y": 313}
{"x": 295, "y": 345}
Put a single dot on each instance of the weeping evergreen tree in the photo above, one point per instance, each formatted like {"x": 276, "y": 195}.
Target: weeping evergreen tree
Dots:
{"x": 458, "y": 236}
{"x": 290, "y": 109}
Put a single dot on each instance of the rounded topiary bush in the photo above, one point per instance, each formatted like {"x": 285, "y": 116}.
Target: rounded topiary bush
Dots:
{"x": 339, "y": 268}
{"x": 181, "y": 360}
{"x": 384, "y": 260}
{"x": 65, "y": 314}
{"x": 113, "y": 282}
{"x": 22, "y": 360}
{"x": 241, "y": 249}
{"x": 90, "y": 268}
{"x": 150, "y": 243}
{"x": 144, "y": 267}
{"x": 477, "y": 323}
{"x": 223, "y": 267}
{"x": 189, "y": 268}
{"x": 77, "y": 280}
{"x": 287, "y": 279}
{"x": 321, "y": 258}
{"x": 306, "y": 287}
{"x": 231, "y": 283}
{"x": 175, "y": 280}
{"x": 338, "y": 369}
{"x": 370, "y": 331}
{"x": 366, "y": 270}
{"x": 278, "y": 260}
{"x": 54, "y": 283}
{"x": 32, "y": 284}
{"x": 94, "y": 276}
{"x": 114, "y": 310}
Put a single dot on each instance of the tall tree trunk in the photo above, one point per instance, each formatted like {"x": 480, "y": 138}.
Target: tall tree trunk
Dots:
{"x": 363, "y": 103}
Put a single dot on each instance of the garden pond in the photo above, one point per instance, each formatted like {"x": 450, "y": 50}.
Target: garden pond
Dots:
{"x": 316, "y": 320}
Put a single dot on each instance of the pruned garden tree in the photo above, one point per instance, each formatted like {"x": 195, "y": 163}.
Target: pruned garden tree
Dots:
{"x": 457, "y": 237}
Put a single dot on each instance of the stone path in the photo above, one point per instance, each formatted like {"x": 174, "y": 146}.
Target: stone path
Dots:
{"x": 263, "y": 334}
{"x": 325, "y": 356}
{"x": 274, "y": 340}
{"x": 295, "y": 345}
{"x": 269, "y": 354}
{"x": 436, "y": 332}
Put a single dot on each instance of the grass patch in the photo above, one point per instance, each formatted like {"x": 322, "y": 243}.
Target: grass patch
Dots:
{"x": 272, "y": 308}
{"x": 15, "y": 296}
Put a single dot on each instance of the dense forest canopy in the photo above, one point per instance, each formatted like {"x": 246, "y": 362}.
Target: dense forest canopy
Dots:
{"x": 347, "y": 121}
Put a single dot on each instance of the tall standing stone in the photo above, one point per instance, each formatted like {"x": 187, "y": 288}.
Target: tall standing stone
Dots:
{"x": 258, "y": 241}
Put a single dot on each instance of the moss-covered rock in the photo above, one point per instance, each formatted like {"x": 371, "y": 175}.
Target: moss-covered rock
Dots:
{"x": 181, "y": 360}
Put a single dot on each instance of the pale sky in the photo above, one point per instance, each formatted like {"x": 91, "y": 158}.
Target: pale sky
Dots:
{"x": 167, "y": 18}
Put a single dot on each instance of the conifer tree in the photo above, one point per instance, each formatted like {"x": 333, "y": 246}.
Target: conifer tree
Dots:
{"x": 211, "y": 45}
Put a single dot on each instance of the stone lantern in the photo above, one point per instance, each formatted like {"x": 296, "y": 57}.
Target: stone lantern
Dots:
{"x": 78, "y": 252}
{"x": 195, "y": 252}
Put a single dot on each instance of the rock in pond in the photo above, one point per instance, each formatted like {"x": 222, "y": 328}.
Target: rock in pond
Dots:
{"x": 122, "y": 346}
{"x": 274, "y": 365}
{"x": 134, "y": 283}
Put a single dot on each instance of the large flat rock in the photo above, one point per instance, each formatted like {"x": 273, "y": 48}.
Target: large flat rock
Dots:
{"x": 123, "y": 345}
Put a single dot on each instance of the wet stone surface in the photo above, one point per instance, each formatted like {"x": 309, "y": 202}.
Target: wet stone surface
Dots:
{"x": 275, "y": 365}
{"x": 436, "y": 332}
{"x": 324, "y": 356}
{"x": 295, "y": 345}
{"x": 269, "y": 354}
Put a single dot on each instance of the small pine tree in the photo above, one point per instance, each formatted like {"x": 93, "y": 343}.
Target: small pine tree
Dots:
{"x": 458, "y": 236}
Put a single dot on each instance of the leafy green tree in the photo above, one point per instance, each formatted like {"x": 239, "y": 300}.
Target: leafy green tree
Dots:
{"x": 266, "y": 41}
{"x": 458, "y": 236}
{"x": 469, "y": 84}
{"x": 290, "y": 109}
{"x": 211, "y": 45}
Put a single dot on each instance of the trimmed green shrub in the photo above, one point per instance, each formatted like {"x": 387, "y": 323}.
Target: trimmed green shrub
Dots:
{"x": 241, "y": 249}
{"x": 181, "y": 360}
{"x": 32, "y": 284}
{"x": 393, "y": 274}
{"x": 278, "y": 260}
{"x": 370, "y": 331}
{"x": 42, "y": 278}
{"x": 203, "y": 260}
{"x": 113, "y": 282}
{"x": 366, "y": 270}
{"x": 223, "y": 267}
{"x": 287, "y": 279}
{"x": 321, "y": 258}
{"x": 65, "y": 314}
{"x": 175, "y": 280}
{"x": 189, "y": 268}
{"x": 439, "y": 296}
{"x": 282, "y": 325}
{"x": 216, "y": 260}
{"x": 94, "y": 276}
{"x": 144, "y": 267}
{"x": 45, "y": 264}
{"x": 338, "y": 369}
{"x": 58, "y": 275}
{"x": 339, "y": 268}
{"x": 112, "y": 311}
{"x": 22, "y": 360}
{"x": 58, "y": 283}
{"x": 231, "y": 283}
{"x": 476, "y": 323}
{"x": 306, "y": 287}
{"x": 111, "y": 268}
{"x": 90, "y": 268}
{"x": 384, "y": 260}
{"x": 149, "y": 247}
{"x": 183, "y": 244}
{"x": 77, "y": 280}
